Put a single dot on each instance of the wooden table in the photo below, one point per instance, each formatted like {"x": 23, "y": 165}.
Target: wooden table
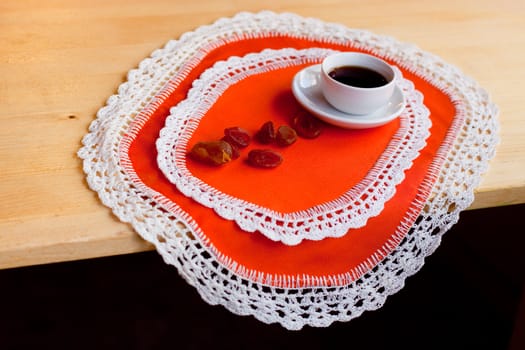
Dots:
{"x": 60, "y": 60}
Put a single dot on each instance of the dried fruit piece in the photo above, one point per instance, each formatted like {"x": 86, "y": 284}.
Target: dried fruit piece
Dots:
{"x": 266, "y": 133}
{"x": 264, "y": 158}
{"x": 306, "y": 125}
{"x": 212, "y": 152}
{"x": 285, "y": 136}
{"x": 237, "y": 137}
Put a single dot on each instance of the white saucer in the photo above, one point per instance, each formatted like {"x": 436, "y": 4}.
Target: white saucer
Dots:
{"x": 307, "y": 91}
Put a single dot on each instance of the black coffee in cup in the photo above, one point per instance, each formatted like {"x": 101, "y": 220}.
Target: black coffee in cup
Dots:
{"x": 358, "y": 76}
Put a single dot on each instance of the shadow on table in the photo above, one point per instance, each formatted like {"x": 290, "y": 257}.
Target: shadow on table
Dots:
{"x": 467, "y": 296}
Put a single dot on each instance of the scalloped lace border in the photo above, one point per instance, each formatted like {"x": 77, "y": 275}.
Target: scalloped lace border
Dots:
{"x": 466, "y": 154}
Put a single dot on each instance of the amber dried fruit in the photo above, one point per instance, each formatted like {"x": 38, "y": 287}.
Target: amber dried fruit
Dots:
{"x": 264, "y": 158}
{"x": 306, "y": 125}
{"x": 266, "y": 133}
{"x": 212, "y": 152}
{"x": 285, "y": 136}
{"x": 237, "y": 137}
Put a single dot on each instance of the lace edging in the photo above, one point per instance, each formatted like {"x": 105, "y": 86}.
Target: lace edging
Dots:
{"x": 466, "y": 153}
{"x": 330, "y": 219}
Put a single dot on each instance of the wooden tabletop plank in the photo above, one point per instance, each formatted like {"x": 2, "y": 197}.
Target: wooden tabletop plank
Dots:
{"x": 61, "y": 60}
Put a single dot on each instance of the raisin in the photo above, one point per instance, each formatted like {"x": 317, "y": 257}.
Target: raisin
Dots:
{"x": 306, "y": 125}
{"x": 285, "y": 136}
{"x": 212, "y": 152}
{"x": 266, "y": 133}
{"x": 237, "y": 137}
{"x": 264, "y": 158}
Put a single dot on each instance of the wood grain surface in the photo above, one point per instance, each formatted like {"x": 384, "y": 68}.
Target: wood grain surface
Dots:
{"x": 61, "y": 60}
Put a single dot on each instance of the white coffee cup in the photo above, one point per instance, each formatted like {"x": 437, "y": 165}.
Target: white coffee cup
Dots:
{"x": 349, "y": 97}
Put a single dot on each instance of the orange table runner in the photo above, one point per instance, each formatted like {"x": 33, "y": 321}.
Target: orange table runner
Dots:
{"x": 342, "y": 259}
{"x": 314, "y": 282}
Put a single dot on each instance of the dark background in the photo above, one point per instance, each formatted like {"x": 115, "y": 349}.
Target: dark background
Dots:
{"x": 469, "y": 295}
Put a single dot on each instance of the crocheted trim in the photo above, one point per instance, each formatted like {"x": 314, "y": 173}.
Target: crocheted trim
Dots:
{"x": 468, "y": 148}
{"x": 330, "y": 219}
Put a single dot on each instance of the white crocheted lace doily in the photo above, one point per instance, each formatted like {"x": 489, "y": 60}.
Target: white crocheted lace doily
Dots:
{"x": 329, "y": 219}
{"x": 461, "y": 161}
